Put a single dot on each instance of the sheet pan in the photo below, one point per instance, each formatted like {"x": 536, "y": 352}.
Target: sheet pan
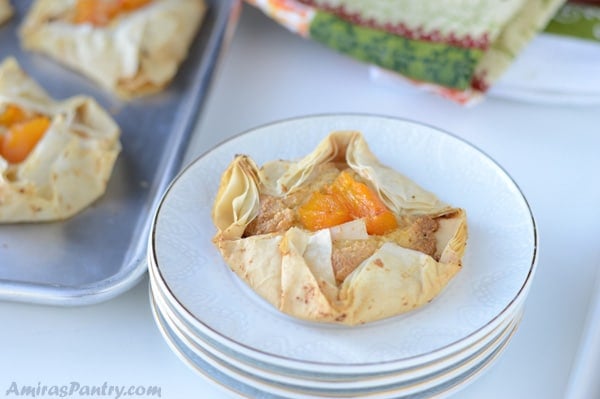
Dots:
{"x": 101, "y": 252}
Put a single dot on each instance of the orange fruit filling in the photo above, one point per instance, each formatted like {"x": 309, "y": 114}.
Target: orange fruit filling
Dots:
{"x": 344, "y": 200}
{"x": 11, "y": 115}
{"x": 322, "y": 211}
{"x": 22, "y": 135}
{"x": 101, "y": 12}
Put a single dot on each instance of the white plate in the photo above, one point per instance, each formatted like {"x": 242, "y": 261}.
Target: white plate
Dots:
{"x": 309, "y": 389}
{"x": 401, "y": 382}
{"x": 177, "y": 320}
{"x": 498, "y": 266}
{"x": 248, "y": 387}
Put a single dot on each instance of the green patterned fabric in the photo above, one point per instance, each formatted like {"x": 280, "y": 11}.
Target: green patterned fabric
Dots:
{"x": 577, "y": 20}
{"x": 424, "y": 61}
{"x": 451, "y": 21}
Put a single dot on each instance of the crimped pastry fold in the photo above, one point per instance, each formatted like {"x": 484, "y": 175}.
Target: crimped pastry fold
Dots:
{"x": 6, "y": 11}
{"x": 292, "y": 269}
{"x": 137, "y": 53}
{"x": 71, "y": 164}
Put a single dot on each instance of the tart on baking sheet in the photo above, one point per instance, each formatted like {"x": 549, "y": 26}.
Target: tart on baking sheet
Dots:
{"x": 6, "y": 11}
{"x": 130, "y": 47}
{"x": 336, "y": 236}
{"x": 56, "y": 157}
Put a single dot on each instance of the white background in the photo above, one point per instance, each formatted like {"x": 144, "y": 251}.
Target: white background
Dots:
{"x": 552, "y": 152}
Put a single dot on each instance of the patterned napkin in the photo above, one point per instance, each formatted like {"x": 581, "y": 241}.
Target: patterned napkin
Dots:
{"x": 441, "y": 45}
{"x": 579, "y": 18}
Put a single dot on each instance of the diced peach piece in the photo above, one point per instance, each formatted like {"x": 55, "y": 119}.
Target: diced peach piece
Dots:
{"x": 101, "y": 12}
{"x": 322, "y": 211}
{"x": 22, "y": 137}
{"x": 347, "y": 199}
{"x": 363, "y": 202}
{"x": 130, "y": 5}
{"x": 381, "y": 223}
{"x": 12, "y": 114}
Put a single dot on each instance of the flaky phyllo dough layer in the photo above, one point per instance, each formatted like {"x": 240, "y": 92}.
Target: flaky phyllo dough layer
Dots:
{"x": 6, "y": 11}
{"x": 339, "y": 274}
{"x": 70, "y": 165}
{"x": 135, "y": 54}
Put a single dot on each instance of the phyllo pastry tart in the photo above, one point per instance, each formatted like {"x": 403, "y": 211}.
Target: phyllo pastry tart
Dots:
{"x": 336, "y": 236}
{"x": 6, "y": 11}
{"x": 130, "y": 47}
{"x": 56, "y": 157}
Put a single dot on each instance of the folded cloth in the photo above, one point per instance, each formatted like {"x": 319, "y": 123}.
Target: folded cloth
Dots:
{"x": 580, "y": 19}
{"x": 442, "y": 45}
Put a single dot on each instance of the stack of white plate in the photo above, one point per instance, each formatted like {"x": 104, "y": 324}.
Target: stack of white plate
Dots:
{"x": 222, "y": 329}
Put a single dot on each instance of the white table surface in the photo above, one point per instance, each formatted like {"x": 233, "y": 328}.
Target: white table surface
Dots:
{"x": 269, "y": 74}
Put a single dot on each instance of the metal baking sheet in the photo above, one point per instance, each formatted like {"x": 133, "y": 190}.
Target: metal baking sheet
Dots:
{"x": 101, "y": 251}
